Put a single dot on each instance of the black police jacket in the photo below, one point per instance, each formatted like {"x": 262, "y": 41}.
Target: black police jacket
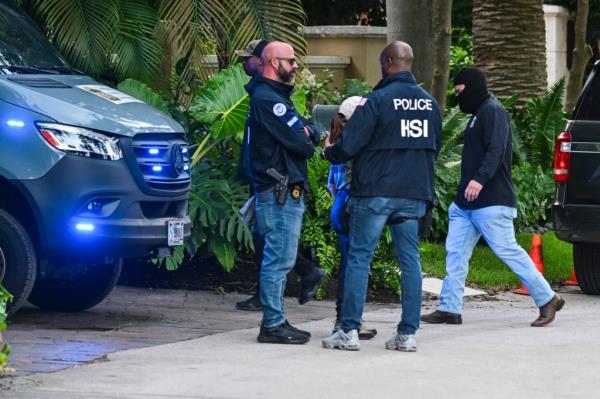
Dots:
{"x": 393, "y": 138}
{"x": 487, "y": 158}
{"x": 276, "y": 135}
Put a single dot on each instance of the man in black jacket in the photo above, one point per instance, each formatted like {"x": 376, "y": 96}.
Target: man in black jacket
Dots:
{"x": 392, "y": 139}
{"x": 280, "y": 142}
{"x": 311, "y": 275}
{"x": 485, "y": 205}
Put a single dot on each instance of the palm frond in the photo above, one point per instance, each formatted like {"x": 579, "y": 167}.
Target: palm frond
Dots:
{"x": 195, "y": 27}
{"x": 452, "y": 131}
{"x": 549, "y": 118}
{"x": 269, "y": 19}
{"x": 83, "y": 30}
{"x": 137, "y": 53}
{"x": 520, "y": 154}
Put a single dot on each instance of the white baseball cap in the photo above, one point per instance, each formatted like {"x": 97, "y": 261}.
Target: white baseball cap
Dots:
{"x": 349, "y": 105}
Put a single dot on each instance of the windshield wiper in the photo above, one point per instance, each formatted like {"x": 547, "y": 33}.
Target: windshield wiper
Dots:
{"x": 32, "y": 69}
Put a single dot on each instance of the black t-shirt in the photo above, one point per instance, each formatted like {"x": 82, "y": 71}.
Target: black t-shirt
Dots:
{"x": 487, "y": 158}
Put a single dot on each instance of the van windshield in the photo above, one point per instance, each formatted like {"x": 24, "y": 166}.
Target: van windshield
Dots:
{"x": 23, "y": 47}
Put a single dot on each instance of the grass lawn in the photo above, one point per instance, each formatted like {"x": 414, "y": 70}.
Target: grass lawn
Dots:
{"x": 487, "y": 271}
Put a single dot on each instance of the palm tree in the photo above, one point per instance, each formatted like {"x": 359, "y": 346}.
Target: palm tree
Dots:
{"x": 509, "y": 43}
{"x": 117, "y": 39}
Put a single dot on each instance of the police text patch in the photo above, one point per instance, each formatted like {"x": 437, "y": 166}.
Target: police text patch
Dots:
{"x": 279, "y": 109}
{"x": 292, "y": 121}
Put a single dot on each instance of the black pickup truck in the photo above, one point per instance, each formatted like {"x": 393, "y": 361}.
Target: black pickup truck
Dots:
{"x": 576, "y": 209}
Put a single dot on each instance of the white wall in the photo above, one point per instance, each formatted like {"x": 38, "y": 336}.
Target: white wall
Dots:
{"x": 556, "y": 19}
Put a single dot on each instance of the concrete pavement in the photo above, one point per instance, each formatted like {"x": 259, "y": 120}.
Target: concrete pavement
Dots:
{"x": 495, "y": 354}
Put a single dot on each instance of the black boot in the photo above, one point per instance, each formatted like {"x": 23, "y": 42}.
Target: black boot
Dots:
{"x": 251, "y": 304}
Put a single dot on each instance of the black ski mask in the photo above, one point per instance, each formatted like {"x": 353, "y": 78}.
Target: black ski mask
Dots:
{"x": 475, "y": 91}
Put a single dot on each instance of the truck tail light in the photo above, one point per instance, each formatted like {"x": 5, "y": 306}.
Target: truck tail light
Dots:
{"x": 562, "y": 157}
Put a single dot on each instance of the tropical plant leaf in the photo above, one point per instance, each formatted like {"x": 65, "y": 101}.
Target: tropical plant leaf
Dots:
{"x": 225, "y": 253}
{"x": 299, "y": 100}
{"x": 223, "y": 102}
{"x": 145, "y": 93}
{"x": 452, "y": 131}
{"x": 549, "y": 119}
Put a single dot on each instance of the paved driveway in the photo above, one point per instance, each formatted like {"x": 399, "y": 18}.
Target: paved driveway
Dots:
{"x": 495, "y": 354}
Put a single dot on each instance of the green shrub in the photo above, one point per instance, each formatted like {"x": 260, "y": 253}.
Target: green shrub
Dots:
{"x": 5, "y": 297}
{"x": 535, "y": 190}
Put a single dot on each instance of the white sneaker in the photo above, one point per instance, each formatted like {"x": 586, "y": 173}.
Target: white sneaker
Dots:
{"x": 341, "y": 340}
{"x": 402, "y": 342}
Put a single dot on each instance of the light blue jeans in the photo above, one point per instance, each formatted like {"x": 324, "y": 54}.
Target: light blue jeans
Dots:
{"x": 279, "y": 226}
{"x": 495, "y": 224}
{"x": 368, "y": 216}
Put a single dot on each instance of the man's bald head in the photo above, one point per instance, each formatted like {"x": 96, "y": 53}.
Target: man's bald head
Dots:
{"x": 279, "y": 62}
{"x": 396, "y": 57}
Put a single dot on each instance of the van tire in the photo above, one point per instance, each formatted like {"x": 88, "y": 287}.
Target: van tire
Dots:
{"x": 587, "y": 267}
{"x": 19, "y": 261}
{"x": 92, "y": 283}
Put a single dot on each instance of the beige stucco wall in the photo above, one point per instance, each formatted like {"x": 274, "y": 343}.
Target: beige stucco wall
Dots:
{"x": 362, "y": 44}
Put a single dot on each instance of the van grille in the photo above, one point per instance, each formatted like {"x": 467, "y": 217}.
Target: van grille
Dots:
{"x": 163, "y": 161}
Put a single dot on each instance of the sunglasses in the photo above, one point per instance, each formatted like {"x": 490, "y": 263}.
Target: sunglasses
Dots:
{"x": 291, "y": 60}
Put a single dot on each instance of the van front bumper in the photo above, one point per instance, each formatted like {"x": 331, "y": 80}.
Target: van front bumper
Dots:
{"x": 94, "y": 208}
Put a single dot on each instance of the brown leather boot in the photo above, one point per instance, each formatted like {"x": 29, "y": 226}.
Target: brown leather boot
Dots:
{"x": 548, "y": 311}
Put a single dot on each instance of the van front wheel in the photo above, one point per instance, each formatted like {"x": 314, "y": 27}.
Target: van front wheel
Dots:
{"x": 17, "y": 260}
{"x": 74, "y": 286}
{"x": 587, "y": 267}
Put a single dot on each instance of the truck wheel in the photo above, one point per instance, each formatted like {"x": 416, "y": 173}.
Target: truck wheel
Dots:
{"x": 17, "y": 261}
{"x": 83, "y": 286}
{"x": 587, "y": 267}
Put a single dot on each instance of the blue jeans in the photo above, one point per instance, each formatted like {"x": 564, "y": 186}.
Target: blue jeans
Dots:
{"x": 368, "y": 216}
{"x": 279, "y": 225}
{"x": 495, "y": 224}
{"x": 339, "y": 222}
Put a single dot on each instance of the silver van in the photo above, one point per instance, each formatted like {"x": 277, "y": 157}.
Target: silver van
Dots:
{"x": 88, "y": 176}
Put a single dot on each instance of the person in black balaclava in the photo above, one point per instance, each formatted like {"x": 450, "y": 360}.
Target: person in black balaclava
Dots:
{"x": 485, "y": 205}
{"x": 475, "y": 90}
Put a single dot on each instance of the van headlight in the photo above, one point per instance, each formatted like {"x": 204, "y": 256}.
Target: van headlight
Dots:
{"x": 80, "y": 141}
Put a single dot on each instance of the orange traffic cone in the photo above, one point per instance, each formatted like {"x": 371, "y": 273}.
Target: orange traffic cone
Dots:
{"x": 538, "y": 260}
{"x": 572, "y": 280}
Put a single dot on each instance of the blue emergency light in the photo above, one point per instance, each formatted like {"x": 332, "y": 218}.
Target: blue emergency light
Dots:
{"x": 15, "y": 123}
{"x": 85, "y": 227}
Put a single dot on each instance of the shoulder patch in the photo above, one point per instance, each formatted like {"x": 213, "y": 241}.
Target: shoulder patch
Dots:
{"x": 279, "y": 109}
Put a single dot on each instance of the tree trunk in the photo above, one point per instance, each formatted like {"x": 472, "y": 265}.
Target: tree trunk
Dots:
{"x": 410, "y": 22}
{"x": 581, "y": 54}
{"x": 442, "y": 40}
{"x": 509, "y": 44}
